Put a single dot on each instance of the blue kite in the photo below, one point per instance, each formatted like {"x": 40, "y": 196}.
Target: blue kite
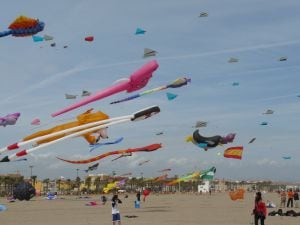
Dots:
{"x": 139, "y": 31}
{"x": 171, "y": 96}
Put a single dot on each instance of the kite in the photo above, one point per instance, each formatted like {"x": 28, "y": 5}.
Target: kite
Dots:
{"x": 136, "y": 81}
{"x": 281, "y": 59}
{"x": 48, "y": 37}
{"x": 85, "y": 129}
{"x": 200, "y": 124}
{"x": 160, "y": 178}
{"x": 233, "y": 60}
{"x": 269, "y": 111}
{"x": 203, "y": 14}
{"x": 126, "y": 174}
{"x": 2, "y": 208}
{"x": 61, "y": 130}
{"x": 97, "y": 145}
{"x": 238, "y": 194}
{"x": 148, "y": 148}
{"x": 171, "y": 96}
{"x": 252, "y": 140}
{"x": 146, "y": 192}
{"x": 149, "y": 52}
{"x": 68, "y": 96}
{"x": 9, "y": 119}
{"x": 235, "y": 84}
{"x": 208, "y": 174}
{"x": 93, "y": 167}
{"x": 116, "y": 184}
{"x": 142, "y": 163}
{"x": 85, "y": 93}
{"x": 19, "y": 160}
{"x": 175, "y": 84}
{"x": 37, "y": 38}
{"x": 184, "y": 178}
{"x": 121, "y": 156}
{"x": 23, "y": 26}
{"x": 89, "y": 38}
{"x": 164, "y": 170}
{"x": 91, "y": 204}
{"x": 35, "y": 122}
{"x": 209, "y": 142}
{"x": 24, "y": 191}
{"x": 139, "y": 31}
{"x": 264, "y": 123}
{"x": 286, "y": 157}
{"x": 234, "y": 152}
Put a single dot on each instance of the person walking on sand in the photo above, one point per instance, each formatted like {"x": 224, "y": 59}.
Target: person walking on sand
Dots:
{"x": 116, "y": 217}
{"x": 260, "y": 210}
{"x": 282, "y": 199}
{"x": 290, "y": 198}
{"x": 296, "y": 198}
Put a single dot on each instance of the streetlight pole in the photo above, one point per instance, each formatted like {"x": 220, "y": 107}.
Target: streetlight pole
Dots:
{"x": 77, "y": 172}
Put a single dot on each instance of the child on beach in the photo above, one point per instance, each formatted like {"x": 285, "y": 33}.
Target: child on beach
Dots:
{"x": 282, "y": 199}
{"x": 115, "y": 210}
{"x": 260, "y": 210}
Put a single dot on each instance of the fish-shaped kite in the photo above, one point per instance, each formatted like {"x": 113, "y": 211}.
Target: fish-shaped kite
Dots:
{"x": 136, "y": 81}
{"x": 175, "y": 84}
{"x": 148, "y": 148}
{"x": 9, "y": 119}
{"x": 23, "y": 26}
{"x": 74, "y": 131}
{"x": 92, "y": 167}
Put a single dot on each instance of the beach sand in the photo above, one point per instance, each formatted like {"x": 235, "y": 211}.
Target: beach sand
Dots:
{"x": 171, "y": 209}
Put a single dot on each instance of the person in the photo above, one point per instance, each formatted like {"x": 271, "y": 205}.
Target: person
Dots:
{"x": 116, "y": 217}
{"x": 103, "y": 200}
{"x": 296, "y": 198}
{"x": 260, "y": 210}
{"x": 138, "y": 196}
{"x": 290, "y": 198}
{"x": 282, "y": 199}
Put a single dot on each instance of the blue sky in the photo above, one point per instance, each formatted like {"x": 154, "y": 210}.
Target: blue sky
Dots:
{"x": 35, "y": 78}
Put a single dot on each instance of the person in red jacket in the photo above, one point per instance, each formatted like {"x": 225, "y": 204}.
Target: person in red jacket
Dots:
{"x": 260, "y": 210}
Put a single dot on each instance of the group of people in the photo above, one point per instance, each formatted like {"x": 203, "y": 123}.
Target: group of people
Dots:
{"x": 260, "y": 209}
{"x": 291, "y": 196}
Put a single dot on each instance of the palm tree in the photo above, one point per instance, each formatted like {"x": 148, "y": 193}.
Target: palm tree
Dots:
{"x": 46, "y": 181}
{"x": 88, "y": 183}
{"x": 97, "y": 183}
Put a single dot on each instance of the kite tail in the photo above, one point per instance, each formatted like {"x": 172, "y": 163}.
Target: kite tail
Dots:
{"x": 126, "y": 99}
{"x": 5, "y": 33}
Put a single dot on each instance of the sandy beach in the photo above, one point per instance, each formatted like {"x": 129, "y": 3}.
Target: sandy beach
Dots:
{"x": 171, "y": 209}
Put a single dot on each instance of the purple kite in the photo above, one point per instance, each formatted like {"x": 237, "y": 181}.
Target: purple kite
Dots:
{"x": 9, "y": 119}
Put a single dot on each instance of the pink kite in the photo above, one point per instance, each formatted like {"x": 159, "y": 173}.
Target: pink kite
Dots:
{"x": 36, "y": 122}
{"x": 136, "y": 81}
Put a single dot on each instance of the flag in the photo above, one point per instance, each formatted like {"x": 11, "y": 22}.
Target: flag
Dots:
{"x": 234, "y": 152}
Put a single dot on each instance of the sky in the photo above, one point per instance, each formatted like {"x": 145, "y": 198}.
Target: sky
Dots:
{"x": 35, "y": 77}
